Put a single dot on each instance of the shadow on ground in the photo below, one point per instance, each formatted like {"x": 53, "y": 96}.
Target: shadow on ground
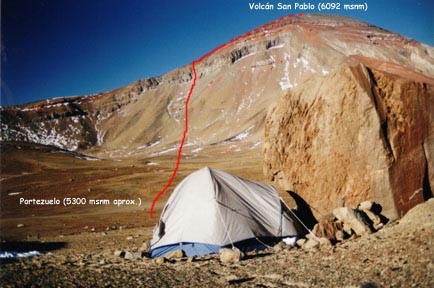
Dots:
{"x": 27, "y": 246}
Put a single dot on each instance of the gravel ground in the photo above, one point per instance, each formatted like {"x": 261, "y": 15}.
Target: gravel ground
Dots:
{"x": 399, "y": 255}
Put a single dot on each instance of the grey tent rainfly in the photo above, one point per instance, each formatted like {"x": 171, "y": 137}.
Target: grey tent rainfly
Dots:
{"x": 212, "y": 209}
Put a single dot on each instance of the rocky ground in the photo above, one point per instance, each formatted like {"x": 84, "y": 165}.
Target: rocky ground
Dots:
{"x": 399, "y": 255}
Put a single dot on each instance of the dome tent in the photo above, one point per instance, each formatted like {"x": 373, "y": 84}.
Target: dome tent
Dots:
{"x": 211, "y": 209}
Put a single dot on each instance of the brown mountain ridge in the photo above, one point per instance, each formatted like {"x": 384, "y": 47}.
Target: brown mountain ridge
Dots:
{"x": 343, "y": 97}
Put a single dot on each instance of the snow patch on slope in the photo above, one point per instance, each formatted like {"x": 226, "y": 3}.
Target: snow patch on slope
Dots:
{"x": 40, "y": 134}
{"x": 158, "y": 153}
{"x": 285, "y": 83}
{"x": 303, "y": 64}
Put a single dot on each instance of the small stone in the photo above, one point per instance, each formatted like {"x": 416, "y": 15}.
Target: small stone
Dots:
{"x": 365, "y": 205}
{"x": 227, "y": 255}
{"x": 376, "y": 220}
{"x": 190, "y": 259}
{"x": 132, "y": 255}
{"x": 20, "y": 225}
{"x": 129, "y": 256}
{"x": 311, "y": 244}
{"x": 119, "y": 253}
{"x": 340, "y": 235}
{"x": 310, "y": 236}
{"x": 349, "y": 218}
{"x": 159, "y": 260}
{"x": 324, "y": 242}
{"x": 129, "y": 238}
{"x": 175, "y": 254}
{"x": 300, "y": 242}
{"x": 279, "y": 246}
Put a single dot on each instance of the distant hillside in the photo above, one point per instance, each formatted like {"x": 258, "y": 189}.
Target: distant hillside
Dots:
{"x": 325, "y": 79}
{"x": 235, "y": 88}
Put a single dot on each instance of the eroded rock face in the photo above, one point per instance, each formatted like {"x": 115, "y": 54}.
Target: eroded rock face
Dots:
{"x": 363, "y": 132}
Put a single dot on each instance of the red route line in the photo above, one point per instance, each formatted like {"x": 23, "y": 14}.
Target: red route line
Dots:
{"x": 190, "y": 92}
{"x": 184, "y": 136}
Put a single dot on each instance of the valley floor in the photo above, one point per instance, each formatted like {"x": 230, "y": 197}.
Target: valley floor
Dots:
{"x": 80, "y": 243}
{"x": 399, "y": 255}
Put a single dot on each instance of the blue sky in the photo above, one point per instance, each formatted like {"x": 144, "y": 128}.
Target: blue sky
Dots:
{"x": 56, "y": 48}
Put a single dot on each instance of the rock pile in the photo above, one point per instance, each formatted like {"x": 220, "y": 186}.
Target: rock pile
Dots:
{"x": 344, "y": 223}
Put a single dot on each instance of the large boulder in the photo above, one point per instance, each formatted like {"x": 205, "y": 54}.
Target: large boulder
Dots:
{"x": 365, "y": 131}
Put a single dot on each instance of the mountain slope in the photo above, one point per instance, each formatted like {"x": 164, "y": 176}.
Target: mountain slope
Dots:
{"x": 234, "y": 90}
